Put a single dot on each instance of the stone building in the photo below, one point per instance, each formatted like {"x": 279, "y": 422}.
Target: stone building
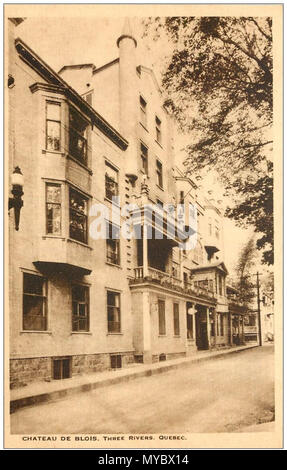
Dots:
{"x": 88, "y": 138}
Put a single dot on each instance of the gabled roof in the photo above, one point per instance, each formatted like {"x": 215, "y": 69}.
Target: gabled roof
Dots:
{"x": 46, "y": 72}
{"x": 217, "y": 265}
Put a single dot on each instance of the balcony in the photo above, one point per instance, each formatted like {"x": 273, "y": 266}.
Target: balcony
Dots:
{"x": 166, "y": 279}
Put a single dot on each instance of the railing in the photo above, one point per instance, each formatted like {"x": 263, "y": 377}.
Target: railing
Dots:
{"x": 164, "y": 278}
{"x": 190, "y": 286}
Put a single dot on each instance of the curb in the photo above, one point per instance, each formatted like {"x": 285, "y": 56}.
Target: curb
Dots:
{"x": 87, "y": 387}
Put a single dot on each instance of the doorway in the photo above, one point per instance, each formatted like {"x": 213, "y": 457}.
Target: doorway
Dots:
{"x": 201, "y": 328}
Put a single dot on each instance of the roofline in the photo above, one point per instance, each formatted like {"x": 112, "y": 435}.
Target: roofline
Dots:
{"x": 44, "y": 70}
{"x": 76, "y": 66}
{"x": 105, "y": 66}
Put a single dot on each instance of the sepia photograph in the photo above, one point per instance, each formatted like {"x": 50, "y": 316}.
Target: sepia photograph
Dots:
{"x": 143, "y": 226}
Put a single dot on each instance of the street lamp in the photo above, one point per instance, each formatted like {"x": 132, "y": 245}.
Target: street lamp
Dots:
{"x": 16, "y": 202}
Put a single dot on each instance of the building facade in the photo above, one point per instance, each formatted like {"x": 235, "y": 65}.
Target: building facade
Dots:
{"x": 86, "y": 140}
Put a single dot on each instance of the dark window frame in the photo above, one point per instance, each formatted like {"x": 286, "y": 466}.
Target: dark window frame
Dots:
{"x": 79, "y": 319}
{"x": 159, "y": 172}
{"x": 161, "y": 318}
{"x": 176, "y": 319}
{"x": 76, "y": 136}
{"x": 54, "y": 204}
{"x": 43, "y": 318}
{"x": 144, "y": 157}
{"x": 158, "y": 130}
{"x": 113, "y": 254}
{"x": 114, "y": 327}
{"x": 109, "y": 181}
{"x": 78, "y": 214}
{"x": 143, "y": 111}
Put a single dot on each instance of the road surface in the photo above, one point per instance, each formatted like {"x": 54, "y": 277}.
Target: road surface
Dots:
{"x": 220, "y": 395}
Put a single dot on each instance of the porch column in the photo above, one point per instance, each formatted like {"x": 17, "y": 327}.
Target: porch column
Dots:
{"x": 208, "y": 326}
{"x": 230, "y": 327}
{"x": 215, "y": 325}
{"x": 180, "y": 267}
{"x": 145, "y": 251}
{"x": 147, "y": 354}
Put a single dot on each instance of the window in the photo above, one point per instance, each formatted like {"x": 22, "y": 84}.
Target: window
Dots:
{"x": 34, "y": 303}
{"x": 113, "y": 243}
{"x": 143, "y": 112}
{"x": 111, "y": 182}
{"x": 161, "y": 317}
{"x": 114, "y": 312}
{"x": 175, "y": 270}
{"x": 159, "y": 173}
{"x": 116, "y": 361}
{"x": 176, "y": 319}
{"x": 144, "y": 158}
{"x": 158, "y": 130}
{"x": 78, "y": 216}
{"x": 218, "y": 323}
{"x": 78, "y": 127}
{"x": 80, "y": 306}
{"x": 62, "y": 368}
{"x": 53, "y": 126}
{"x": 53, "y": 209}
{"x": 220, "y": 286}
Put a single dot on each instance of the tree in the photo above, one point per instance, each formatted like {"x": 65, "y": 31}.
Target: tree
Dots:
{"x": 245, "y": 282}
{"x": 218, "y": 84}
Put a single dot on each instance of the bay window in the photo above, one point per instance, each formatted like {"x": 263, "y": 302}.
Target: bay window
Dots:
{"x": 78, "y": 128}
{"x": 53, "y": 209}
{"x": 53, "y": 126}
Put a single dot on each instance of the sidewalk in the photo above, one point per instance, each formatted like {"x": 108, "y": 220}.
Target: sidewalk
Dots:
{"x": 40, "y": 392}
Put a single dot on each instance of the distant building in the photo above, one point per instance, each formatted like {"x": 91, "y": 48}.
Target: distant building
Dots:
{"x": 78, "y": 304}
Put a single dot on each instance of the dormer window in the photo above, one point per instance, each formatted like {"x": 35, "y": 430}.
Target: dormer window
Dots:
{"x": 78, "y": 128}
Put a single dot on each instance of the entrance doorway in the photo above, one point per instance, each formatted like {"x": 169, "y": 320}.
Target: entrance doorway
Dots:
{"x": 201, "y": 328}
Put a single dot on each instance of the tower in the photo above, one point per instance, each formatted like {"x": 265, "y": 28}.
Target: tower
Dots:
{"x": 128, "y": 89}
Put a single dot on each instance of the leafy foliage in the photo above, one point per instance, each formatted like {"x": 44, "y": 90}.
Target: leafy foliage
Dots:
{"x": 245, "y": 263}
{"x": 218, "y": 84}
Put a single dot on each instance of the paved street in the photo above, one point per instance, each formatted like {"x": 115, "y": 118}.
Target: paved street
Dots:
{"x": 220, "y": 395}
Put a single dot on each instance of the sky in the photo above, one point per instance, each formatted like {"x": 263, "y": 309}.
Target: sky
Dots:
{"x": 76, "y": 40}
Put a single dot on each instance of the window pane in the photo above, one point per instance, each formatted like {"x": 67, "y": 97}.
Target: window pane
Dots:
{"x": 53, "y": 135}
{"x": 53, "y": 111}
{"x": 78, "y": 202}
{"x": 53, "y": 192}
{"x": 33, "y": 284}
{"x": 79, "y": 293}
{"x": 54, "y": 219}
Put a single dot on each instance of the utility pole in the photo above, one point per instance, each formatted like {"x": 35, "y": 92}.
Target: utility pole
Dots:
{"x": 258, "y": 304}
